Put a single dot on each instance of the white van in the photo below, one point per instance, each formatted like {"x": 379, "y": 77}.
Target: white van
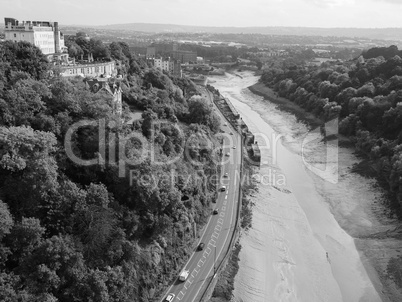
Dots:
{"x": 184, "y": 274}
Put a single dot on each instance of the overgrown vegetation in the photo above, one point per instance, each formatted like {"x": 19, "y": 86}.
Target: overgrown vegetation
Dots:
{"x": 72, "y": 232}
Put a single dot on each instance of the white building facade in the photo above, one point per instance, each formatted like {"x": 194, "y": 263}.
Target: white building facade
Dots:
{"x": 43, "y": 34}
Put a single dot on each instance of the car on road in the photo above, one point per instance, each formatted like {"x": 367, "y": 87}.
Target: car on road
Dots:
{"x": 169, "y": 297}
{"x": 227, "y": 154}
{"x": 226, "y": 175}
{"x": 234, "y": 147}
{"x": 201, "y": 246}
{"x": 215, "y": 211}
{"x": 222, "y": 189}
{"x": 225, "y": 124}
{"x": 184, "y": 274}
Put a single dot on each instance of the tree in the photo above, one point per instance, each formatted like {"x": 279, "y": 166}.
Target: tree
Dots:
{"x": 28, "y": 167}
{"x": 75, "y": 51}
{"x": 25, "y": 237}
{"x": 116, "y": 51}
{"x": 25, "y": 100}
{"x": 199, "y": 110}
{"x": 6, "y": 220}
{"x": 56, "y": 267}
{"x": 147, "y": 125}
{"x": 24, "y": 56}
{"x": 99, "y": 50}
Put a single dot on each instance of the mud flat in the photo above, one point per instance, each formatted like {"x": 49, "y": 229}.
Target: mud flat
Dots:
{"x": 297, "y": 221}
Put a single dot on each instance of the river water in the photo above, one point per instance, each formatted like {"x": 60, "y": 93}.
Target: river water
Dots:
{"x": 299, "y": 247}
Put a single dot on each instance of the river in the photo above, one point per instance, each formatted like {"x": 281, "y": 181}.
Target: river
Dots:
{"x": 308, "y": 209}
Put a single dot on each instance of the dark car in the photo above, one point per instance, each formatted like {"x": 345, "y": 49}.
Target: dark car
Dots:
{"x": 201, "y": 246}
{"x": 215, "y": 211}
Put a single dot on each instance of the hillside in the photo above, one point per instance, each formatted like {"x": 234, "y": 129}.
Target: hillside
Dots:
{"x": 372, "y": 33}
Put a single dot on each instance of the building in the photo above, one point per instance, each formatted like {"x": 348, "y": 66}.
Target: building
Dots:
{"x": 43, "y": 34}
{"x": 151, "y": 52}
{"x": 112, "y": 87}
{"x": 172, "y": 66}
{"x": 165, "y": 48}
{"x": 98, "y": 69}
{"x": 185, "y": 56}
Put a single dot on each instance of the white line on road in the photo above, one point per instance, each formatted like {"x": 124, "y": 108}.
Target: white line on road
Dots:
{"x": 182, "y": 295}
{"x": 220, "y": 251}
{"x": 188, "y": 261}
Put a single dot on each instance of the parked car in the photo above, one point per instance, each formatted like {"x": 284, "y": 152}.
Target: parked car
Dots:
{"x": 226, "y": 175}
{"x": 222, "y": 189}
{"x": 184, "y": 274}
{"x": 201, "y": 246}
{"x": 215, "y": 211}
{"x": 170, "y": 297}
{"x": 227, "y": 154}
{"x": 234, "y": 147}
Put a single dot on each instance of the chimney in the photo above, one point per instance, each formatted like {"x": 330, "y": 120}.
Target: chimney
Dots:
{"x": 56, "y": 37}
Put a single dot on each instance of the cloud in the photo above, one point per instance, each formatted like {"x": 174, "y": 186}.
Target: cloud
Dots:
{"x": 392, "y": 1}
{"x": 332, "y": 3}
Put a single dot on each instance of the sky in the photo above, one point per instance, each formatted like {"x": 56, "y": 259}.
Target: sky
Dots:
{"x": 244, "y": 13}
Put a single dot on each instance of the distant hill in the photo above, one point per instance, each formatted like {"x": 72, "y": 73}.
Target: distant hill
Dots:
{"x": 372, "y": 33}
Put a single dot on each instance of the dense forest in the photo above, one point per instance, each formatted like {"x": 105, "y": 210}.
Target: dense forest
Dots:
{"x": 70, "y": 232}
{"x": 366, "y": 95}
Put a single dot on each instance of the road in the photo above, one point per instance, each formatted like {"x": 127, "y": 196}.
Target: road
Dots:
{"x": 219, "y": 229}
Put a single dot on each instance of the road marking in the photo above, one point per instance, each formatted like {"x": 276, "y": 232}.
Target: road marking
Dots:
{"x": 223, "y": 209}
{"x": 188, "y": 285}
{"x": 194, "y": 253}
{"x": 218, "y": 228}
{"x": 222, "y": 214}
{"x": 226, "y": 197}
{"x": 208, "y": 249}
{"x": 219, "y": 252}
{"x": 214, "y": 242}
{"x": 225, "y": 202}
{"x": 215, "y": 235}
{"x": 220, "y": 220}
{"x": 199, "y": 263}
